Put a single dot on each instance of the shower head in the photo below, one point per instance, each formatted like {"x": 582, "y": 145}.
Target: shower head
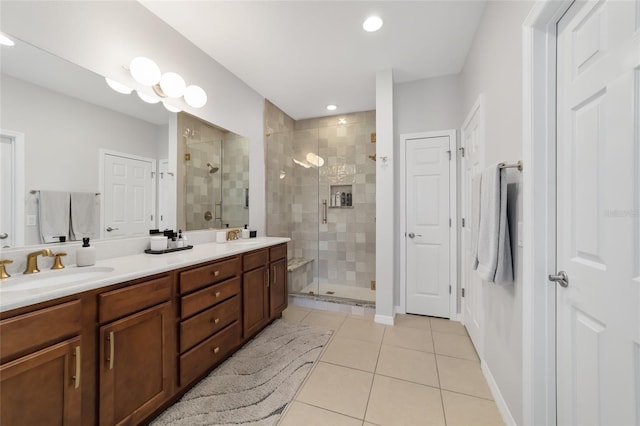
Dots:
{"x": 212, "y": 169}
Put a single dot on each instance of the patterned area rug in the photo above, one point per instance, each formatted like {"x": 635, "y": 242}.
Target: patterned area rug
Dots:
{"x": 254, "y": 386}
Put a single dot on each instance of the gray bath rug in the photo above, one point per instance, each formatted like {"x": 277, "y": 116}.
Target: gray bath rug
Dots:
{"x": 254, "y": 386}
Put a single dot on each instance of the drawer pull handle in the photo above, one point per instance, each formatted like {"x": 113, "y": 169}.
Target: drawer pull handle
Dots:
{"x": 217, "y": 294}
{"x": 112, "y": 349}
{"x": 216, "y": 273}
{"x": 76, "y": 378}
{"x": 217, "y": 320}
{"x": 216, "y": 349}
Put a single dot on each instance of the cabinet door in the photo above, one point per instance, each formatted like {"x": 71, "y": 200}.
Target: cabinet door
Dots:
{"x": 135, "y": 366}
{"x": 278, "y": 288}
{"x": 255, "y": 293}
{"x": 42, "y": 388}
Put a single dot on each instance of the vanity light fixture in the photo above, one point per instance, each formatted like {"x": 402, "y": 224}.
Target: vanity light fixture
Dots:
{"x": 372, "y": 23}
{"x": 148, "y": 99}
{"x": 167, "y": 85}
{"x": 118, "y": 87}
{"x": 332, "y": 107}
{"x": 6, "y": 41}
{"x": 171, "y": 108}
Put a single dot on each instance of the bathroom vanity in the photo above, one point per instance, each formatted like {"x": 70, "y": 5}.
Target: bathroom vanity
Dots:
{"x": 119, "y": 350}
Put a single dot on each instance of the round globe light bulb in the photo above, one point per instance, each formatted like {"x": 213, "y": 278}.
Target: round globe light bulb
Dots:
{"x": 372, "y": 23}
{"x": 148, "y": 99}
{"x": 172, "y": 84}
{"x": 118, "y": 87}
{"x": 144, "y": 71}
{"x": 6, "y": 41}
{"x": 171, "y": 108}
{"x": 195, "y": 96}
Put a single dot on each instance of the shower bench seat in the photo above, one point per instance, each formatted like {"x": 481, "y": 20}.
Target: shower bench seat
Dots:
{"x": 300, "y": 273}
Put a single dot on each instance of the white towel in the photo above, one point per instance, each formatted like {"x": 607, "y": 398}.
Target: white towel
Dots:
{"x": 84, "y": 215}
{"x": 53, "y": 215}
{"x": 493, "y": 253}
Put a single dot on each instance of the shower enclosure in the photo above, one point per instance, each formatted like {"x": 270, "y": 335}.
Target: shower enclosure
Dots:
{"x": 321, "y": 193}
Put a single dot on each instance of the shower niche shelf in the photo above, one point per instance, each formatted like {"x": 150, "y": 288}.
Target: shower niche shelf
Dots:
{"x": 345, "y": 194}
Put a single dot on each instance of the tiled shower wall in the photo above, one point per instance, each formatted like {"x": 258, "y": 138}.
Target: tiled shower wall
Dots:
{"x": 344, "y": 247}
{"x": 235, "y": 180}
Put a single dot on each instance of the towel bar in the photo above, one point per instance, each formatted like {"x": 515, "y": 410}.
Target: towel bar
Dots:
{"x": 35, "y": 191}
{"x": 517, "y": 165}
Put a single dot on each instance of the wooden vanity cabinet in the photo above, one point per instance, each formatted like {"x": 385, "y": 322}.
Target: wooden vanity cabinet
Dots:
{"x": 210, "y": 326}
{"x": 41, "y": 370}
{"x": 255, "y": 291}
{"x": 278, "y": 276}
{"x": 136, "y": 352}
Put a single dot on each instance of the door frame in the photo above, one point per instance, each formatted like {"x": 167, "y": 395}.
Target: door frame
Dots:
{"x": 18, "y": 201}
{"x": 539, "y": 192}
{"x": 154, "y": 182}
{"x": 453, "y": 210}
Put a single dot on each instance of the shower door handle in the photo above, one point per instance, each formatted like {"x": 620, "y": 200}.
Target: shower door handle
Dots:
{"x": 324, "y": 211}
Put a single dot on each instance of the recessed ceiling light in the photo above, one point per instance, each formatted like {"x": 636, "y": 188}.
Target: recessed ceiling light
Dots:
{"x": 6, "y": 41}
{"x": 372, "y": 23}
{"x": 332, "y": 107}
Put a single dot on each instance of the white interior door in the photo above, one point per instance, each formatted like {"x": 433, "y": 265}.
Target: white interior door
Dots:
{"x": 129, "y": 200}
{"x": 598, "y": 215}
{"x": 427, "y": 226}
{"x": 472, "y": 165}
{"x": 166, "y": 193}
{"x": 7, "y": 192}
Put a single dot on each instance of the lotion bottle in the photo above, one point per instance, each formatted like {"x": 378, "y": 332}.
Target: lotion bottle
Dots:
{"x": 245, "y": 232}
{"x": 86, "y": 255}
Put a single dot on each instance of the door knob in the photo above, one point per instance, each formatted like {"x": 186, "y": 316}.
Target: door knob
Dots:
{"x": 561, "y": 278}
{"x": 4, "y": 236}
{"x": 109, "y": 229}
{"x": 411, "y": 235}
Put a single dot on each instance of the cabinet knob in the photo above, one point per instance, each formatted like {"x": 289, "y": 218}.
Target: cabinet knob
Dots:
{"x": 217, "y": 320}
{"x": 215, "y": 273}
{"x": 217, "y": 294}
{"x": 216, "y": 350}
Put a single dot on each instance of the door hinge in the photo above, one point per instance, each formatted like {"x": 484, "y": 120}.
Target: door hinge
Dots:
{"x": 463, "y": 292}
{"x": 151, "y": 217}
{"x": 449, "y": 222}
{"x": 449, "y": 152}
{"x": 461, "y": 149}
{"x": 463, "y": 222}
{"x": 449, "y": 289}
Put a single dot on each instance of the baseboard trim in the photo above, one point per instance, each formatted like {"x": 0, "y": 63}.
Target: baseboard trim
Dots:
{"x": 384, "y": 319}
{"x": 497, "y": 396}
{"x": 399, "y": 310}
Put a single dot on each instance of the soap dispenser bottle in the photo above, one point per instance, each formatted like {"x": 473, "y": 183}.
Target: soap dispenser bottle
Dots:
{"x": 245, "y": 232}
{"x": 86, "y": 255}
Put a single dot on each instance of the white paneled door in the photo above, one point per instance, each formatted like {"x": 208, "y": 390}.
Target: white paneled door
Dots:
{"x": 598, "y": 214}
{"x": 7, "y": 192}
{"x": 427, "y": 226}
{"x": 472, "y": 164}
{"x": 129, "y": 200}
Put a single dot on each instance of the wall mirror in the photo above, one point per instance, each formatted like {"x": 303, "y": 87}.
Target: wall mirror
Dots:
{"x": 213, "y": 176}
{"x": 62, "y": 128}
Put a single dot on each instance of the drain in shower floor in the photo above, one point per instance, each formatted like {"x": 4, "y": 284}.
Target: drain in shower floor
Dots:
{"x": 330, "y": 292}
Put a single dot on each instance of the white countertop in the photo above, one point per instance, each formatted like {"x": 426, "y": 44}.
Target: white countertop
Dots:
{"x": 124, "y": 269}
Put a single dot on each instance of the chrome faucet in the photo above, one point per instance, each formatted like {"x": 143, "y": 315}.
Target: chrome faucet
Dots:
{"x": 32, "y": 260}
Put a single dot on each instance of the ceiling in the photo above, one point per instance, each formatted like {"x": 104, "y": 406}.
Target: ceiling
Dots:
{"x": 303, "y": 55}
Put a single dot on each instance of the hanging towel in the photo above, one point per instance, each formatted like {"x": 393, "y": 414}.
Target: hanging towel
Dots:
{"x": 53, "y": 215}
{"x": 84, "y": 215}
{"x": 493, "y": 252}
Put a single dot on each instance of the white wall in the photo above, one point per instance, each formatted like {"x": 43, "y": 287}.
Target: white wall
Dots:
{"x": 422, "y": 106}
{"x": 104, "y": 36}
{"x": 494, "y": 67}
{"x": 385, "y": 200}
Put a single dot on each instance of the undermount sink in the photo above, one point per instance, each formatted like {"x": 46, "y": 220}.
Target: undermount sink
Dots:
{"x": 48, "y": 279}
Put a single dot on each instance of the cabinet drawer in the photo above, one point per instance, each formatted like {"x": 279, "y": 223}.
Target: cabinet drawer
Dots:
{"x": 209, "y": 296}
{"x": 209, "y": 274}
{"x": 203, "y": 325}
{"x": 278, "y": 252}
{"x": 255, "y": 259}
{"x": 118, "y": 303}
{"x": 208, "y": 353}
{"x": 39, "y": 328}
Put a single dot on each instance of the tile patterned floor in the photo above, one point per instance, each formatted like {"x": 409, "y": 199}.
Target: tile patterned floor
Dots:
{"x": 422, "y": 371}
